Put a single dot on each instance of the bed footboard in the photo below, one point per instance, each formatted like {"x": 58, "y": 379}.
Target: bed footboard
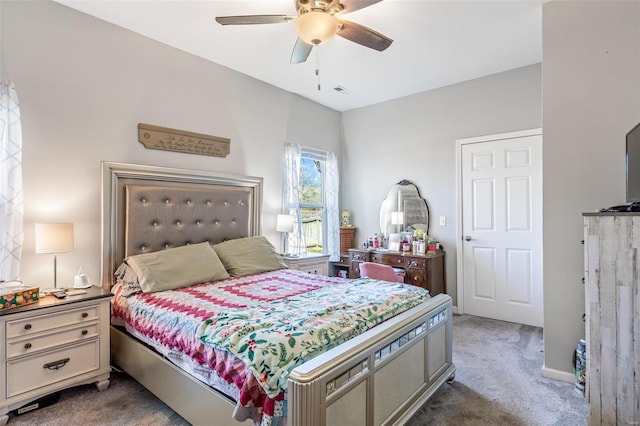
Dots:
{"x": 381, "y": 377}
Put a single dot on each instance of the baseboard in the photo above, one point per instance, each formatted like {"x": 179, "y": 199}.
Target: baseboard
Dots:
{"x": 454, "y": 310}
{"x": 562, "y": 376}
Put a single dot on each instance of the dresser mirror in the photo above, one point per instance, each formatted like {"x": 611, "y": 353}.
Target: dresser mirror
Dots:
{"x": 403, "y": 210}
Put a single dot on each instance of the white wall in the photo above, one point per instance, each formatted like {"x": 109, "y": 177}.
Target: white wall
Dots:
{"x": 591, "y": 99}
{"x": 84, "y": 85}
{"x": 414, "y": 138}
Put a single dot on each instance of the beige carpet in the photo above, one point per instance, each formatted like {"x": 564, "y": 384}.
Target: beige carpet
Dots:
{"x": 498, "y": 382}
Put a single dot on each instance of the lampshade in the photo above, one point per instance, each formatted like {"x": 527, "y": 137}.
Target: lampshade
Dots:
{"x": 54, "y": 237}
{"x": 284, "y": 223}
{"x": 397, "y": 218}
{"x": 316, "y": 27}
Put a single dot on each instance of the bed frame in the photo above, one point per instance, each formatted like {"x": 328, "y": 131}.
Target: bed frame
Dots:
{"x": 381, "y": 377}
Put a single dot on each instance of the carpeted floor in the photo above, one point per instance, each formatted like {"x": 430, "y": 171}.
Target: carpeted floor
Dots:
{"x": 498, "y": 382}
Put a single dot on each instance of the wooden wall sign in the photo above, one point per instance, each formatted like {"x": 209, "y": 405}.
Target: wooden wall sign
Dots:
{"x": 166, "y": 139}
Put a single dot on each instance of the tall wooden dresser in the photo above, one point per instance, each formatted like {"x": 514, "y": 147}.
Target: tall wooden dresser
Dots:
{"x": 612, "y": 308}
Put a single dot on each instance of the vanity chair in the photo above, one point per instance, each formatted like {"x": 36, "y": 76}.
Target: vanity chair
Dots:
{"x": 380, "y": 271}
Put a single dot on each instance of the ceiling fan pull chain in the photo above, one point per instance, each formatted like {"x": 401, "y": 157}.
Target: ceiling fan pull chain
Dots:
{"x": 318, "y": 66}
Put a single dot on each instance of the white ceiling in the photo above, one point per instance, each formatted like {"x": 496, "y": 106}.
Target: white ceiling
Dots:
{"x": 436, "y": 43}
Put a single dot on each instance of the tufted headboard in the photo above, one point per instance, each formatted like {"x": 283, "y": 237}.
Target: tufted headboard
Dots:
{"x": 147, "y": 208}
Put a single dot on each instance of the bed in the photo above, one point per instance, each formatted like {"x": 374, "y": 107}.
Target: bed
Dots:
{"x": 380, "y": 376}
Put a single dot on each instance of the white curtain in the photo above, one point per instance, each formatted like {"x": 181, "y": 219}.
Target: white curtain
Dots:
{"x": 11, "y": 197}
{"x": 332, "y": 183}
{"x": 290, "y": 197}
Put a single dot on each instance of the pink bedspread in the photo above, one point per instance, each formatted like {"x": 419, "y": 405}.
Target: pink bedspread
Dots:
{"x": 172, "y": 318}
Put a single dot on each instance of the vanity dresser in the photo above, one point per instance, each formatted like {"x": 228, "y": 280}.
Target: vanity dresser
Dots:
{"x": 403, "y": 211}
{"x": 422, "y": 270}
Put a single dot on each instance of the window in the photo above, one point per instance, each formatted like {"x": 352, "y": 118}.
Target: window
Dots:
{"x": 310, "y": 193}
{"x": 312, "y": 206}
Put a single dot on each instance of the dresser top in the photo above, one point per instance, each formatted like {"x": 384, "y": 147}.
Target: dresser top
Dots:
{"x": 306, "y": 256}
{"x": 92, "y": 293}
{"x": 611, "y": 214}
{"x": 430, "y": 253}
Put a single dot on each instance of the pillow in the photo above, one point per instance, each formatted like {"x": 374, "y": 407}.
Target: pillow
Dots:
{"x": 177, "y": 267}
{"x": 250, "y": 255}
{"x": 128, "y": 279}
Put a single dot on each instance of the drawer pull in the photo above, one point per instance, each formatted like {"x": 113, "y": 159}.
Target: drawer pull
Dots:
{"x": 27, "y": 326}
{"x": 415, "y": 278}
{"x": 56, "y": 365}
{"x": 27, "y": 345}
{"x": 85, "y": 314}
{"x": 413, "y": 263}
{"x": 85, "y": 332}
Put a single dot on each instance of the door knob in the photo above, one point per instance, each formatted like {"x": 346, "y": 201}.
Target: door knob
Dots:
{"x": 467, "y": 238}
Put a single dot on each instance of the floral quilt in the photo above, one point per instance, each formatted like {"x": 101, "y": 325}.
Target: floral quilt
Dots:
{"x": 273, "y": 338}
{"x": 252, "y": 331}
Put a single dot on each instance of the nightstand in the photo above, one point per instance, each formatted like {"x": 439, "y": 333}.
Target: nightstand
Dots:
{"x": 312, "y": 263}
{"x": 52, "y": 345}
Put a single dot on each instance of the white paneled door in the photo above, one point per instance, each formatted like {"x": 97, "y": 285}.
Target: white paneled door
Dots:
{"x": 501, "y": 233}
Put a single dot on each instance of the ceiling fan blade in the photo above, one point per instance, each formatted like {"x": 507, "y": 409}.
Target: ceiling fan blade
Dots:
{"x": 301, "y": 51}
{"x": 349, "y": 6}
{"x": 254, "y": 19}
{"x": 362, "y": 35}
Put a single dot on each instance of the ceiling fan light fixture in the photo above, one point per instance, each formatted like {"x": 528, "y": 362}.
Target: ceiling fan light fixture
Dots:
{"x": 316, "y": 27}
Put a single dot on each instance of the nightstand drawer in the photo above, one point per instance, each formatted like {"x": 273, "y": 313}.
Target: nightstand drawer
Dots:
{"x": 37, "y": 371}
{"x": 36, "y": 324}
{"x": 315, "y": 268}
{"x": 46, "y": 341}
{"x": 311, "y": 263}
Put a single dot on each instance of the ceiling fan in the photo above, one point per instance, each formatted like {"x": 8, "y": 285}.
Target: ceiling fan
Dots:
{"x": 317, "y": 22}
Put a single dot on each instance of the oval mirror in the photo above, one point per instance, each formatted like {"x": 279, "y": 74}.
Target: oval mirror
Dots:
{"x": 403, "y": 210}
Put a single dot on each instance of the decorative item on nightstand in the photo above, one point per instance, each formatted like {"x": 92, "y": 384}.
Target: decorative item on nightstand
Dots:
{"x": 284, "y": 224}
{"x": 54, "y": 238}
{"x": 81, "y": 280}
{"x": 14, "y": 294}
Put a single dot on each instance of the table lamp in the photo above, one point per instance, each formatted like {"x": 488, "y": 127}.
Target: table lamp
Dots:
{"x": 284, "y": 224}
{"x": 54, "y": 238}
